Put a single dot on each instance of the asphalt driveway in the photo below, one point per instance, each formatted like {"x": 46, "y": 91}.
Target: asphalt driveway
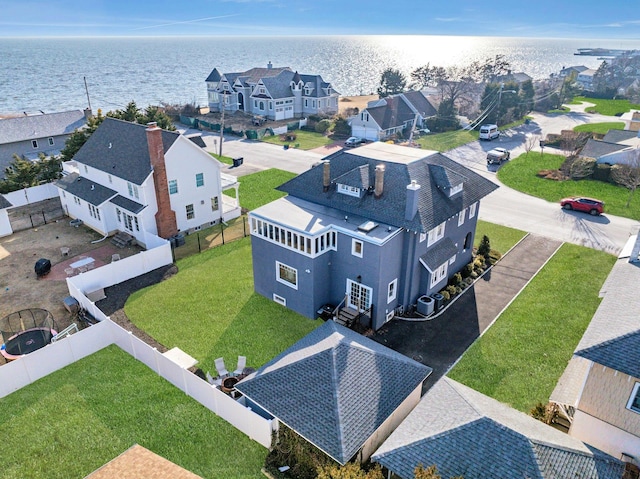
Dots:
{"x": 441, "y": 341}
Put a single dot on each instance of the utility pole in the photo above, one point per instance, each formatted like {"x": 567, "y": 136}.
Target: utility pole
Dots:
{"x": 222, "y": 103}
{"x": 86, "y": 89}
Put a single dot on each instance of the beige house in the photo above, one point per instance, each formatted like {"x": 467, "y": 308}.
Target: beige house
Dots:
{"x": 599, "y": 392}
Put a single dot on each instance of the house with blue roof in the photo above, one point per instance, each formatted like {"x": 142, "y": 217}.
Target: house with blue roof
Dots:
{"x": 465, "y": 433}
{"x": 342, "y": 392}
{"x": 142, "y": 180}
{"x": 29, "y": 135}
{"x": 275, "y": 93}
{"x": 367, "y": 232}
{"x": 599, "y": 391}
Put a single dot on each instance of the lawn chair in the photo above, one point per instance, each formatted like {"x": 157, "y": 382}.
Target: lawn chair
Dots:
{"x": 222, "y": 370}
{"x": 115, "y": 257}
{"x": 242, "y": 362}
{"x": 209, "y": 378}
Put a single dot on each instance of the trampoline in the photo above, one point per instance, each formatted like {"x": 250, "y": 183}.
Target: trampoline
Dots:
{"x": 26, "y": 331}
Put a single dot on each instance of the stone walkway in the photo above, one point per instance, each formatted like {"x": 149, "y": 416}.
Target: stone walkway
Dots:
{"x": 438, "y": 343}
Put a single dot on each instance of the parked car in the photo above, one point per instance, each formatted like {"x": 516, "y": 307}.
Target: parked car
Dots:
{"x": 497, "y": 156}
{"x": 580, "y": 203}
{"x": 354, "y": 141}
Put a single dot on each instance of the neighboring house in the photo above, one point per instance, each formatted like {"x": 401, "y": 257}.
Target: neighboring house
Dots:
{"x": 368, "y": 230}
{"x": 276, "y": 93}
{"x": 585, "y": 79}
{"x": 395, "y": 114}
{"x": 30, "y": 135}
{"x": 617, "y": 146}
{"x": 634, "y": 123}
{"x": 465, "y": 433}
{"x": 5, "y": 223}
{"x": 573, "y": 70}
{"x": 140, "y": 180}
{"x": 599, "y": 392}
{"x": 138, "y": 462}
{"x": 340, "y": 391}
{"x": 517, "y": 77}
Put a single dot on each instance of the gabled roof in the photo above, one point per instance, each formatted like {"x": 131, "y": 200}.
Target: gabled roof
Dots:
{"x": 318, "y": 85}
{"x": 214, "y": 76}
{"x": 576, "y": 68}
{"x": 618, "y": 136}
{"x": 395, "y": 113}
{"x": 402, "y": 165}
{"x": 127, "y": 204}
{"x": 613, "y": 335}
{"x": 597, "y": 148}
{"x": 420, "y": 102}
{"x": 334, "y": 387}
{"x": 358, "y": 178}
{"x": 88, "y": 190}
{"x": 464, "y": 432}
{"x": 4, "y": 203}
{"x": 120, "y": 148}
{"x": 279, "y": 86}
{"x": 40, "y": 126}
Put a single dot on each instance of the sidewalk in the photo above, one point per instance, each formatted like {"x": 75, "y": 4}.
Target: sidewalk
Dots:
{"x": 438, "y": 343}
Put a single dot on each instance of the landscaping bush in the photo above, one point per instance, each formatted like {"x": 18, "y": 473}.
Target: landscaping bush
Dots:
{"x": 582, "y": 168}
{"x": 484, "y": 248}
{"x": 602, "y": 172}
{"x": 301, "y": 456}
{"x": 456, "y": 279}
{"x": 467, "y": 270}
{"x": 351, "y": 470}
{"x": 478, "y": 264}
{"x": 341, "y": 128}
{"x": 322, "y": 126}
{"x": 445, "y": 294}
{"x": 494, "y": 256}
{"x": 452, "y": 290}
{"x": 289, "y": 136}
{"x": 555, "y": 175}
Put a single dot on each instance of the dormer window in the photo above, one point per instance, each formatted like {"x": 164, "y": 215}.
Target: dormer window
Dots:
{"x": 454, "y": 190}
{"x": 349, "y": 190}
{"x": 262, "y": 90}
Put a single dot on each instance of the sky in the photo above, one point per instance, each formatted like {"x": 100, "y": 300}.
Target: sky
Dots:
{"x": 613, "y": 19}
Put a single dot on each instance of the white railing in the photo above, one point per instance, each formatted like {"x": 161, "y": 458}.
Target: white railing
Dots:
{"x": 28, "y": 369}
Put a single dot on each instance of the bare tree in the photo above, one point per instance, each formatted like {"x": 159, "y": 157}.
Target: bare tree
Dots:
{"x": 628, "y": 174}
{"x": 531, "y": 142}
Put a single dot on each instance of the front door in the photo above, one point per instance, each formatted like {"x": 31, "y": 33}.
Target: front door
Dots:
{"x": 359, "y": 295}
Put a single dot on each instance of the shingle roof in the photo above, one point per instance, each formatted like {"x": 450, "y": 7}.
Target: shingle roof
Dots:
{"x": 402, "y": 165}
{"x": 570, "y": 384}
{"x": 4, "y": 203}
{"x": 85, "y": 189}
{"x": 438, "y": 254}
{"x": 597, "y": 148}
{"x": 358, "y": 177}
{"x": 40, "y": 126}
{"x": 334, "y": 387}
{"x": 127, "y": 204}
{"x": 420, "y": 103}
{"x": 467, "y": 433}
{"x": 613, "y": 335}
{"x": 214, "y": 76}
{"x": 120, "y": 148}
{"x": 616, "y": 136}
{"x": 394, "y": 114}
{"x": 279, "y": 86}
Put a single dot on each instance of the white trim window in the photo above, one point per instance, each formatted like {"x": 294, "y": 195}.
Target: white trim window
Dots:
{"x": 472, "y": 210}
{"x": 392, "y": 290}
{"x": 461, "y": 217}
{"x": 199, "y": 180}
{"x": 634, "y": 401}
{"x": 357, "y": 247}
{"x": 279, "y": 299}
{"x": 287, "y": 275}
{"x": 348, "y": 190}
{"x": 423, "y": 236}
{"x": 191, "y": 214}
{"x": 51, "y": 142}
{"x": 436, "y": 234}
{"x": 173, "y": 187}
{"x": 439, "y": 274}
{"x": 34, "y": 143}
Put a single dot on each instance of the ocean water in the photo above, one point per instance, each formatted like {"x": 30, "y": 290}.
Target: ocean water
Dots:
{"x": 48, "y": 74}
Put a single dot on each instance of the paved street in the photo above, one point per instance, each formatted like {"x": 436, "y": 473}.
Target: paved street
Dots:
{"x": 504, "y": 206}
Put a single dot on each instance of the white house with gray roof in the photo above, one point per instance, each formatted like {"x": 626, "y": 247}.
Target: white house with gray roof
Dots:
{"x": 368, "y": 231}
{"x": 599, "y": 392}
{"x": 29, "y": 135}
{"x": 341, "y": 391}
{"x": 143, "y": 180}
{"x": 465, "y": 433}
{"x": 616, "y": 147}
{"x": 276, "y": 93}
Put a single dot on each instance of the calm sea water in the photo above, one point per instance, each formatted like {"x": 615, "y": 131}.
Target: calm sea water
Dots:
{"x": 47, "y": 74}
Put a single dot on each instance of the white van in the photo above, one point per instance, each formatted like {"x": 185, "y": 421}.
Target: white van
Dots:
{"x": 489, "y": 132}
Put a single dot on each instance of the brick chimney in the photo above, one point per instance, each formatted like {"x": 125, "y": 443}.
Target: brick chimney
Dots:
{"x": 413, "y": 191}
{"x": 326, "y": 175}
{"x": 165, "y": 217}
{"x": 379, "y": 186}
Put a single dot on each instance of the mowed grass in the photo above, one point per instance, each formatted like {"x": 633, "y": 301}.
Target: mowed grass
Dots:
{"x": 73, "y": 421}
{"x": 520, "y": 174}
{"x": 519, "y": 360}
{"x": 259, "y": 188}
{"x": 447, "y": 141}
{"x": 305, "y": 140}
{"x": 607, "y": 107}
{"x": 227, "y": 160}
{"x": 209, "y": 310}
{"x": 600, "y": 128}
{"x": 502, "y": 238}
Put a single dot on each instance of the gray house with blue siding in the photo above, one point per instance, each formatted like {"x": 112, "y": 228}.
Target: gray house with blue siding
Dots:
{"x": 368, "y": 231}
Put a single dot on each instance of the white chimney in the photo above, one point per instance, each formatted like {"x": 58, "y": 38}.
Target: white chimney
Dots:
{"x": 413, "y": 192}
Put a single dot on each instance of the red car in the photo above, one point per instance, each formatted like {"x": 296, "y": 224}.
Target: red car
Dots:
{"x": 580, "y": 203}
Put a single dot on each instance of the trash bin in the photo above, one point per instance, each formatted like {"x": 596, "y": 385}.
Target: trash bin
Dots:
{"x": 425, "y": 305}
{"x": 237, "y": 161}
{"x": 71, "y": 304}
{"x": 439, "y": 301}
{"x": 286, "y": 146}
{"x": 179, "y": 239}
{"x": 42, "y": 267}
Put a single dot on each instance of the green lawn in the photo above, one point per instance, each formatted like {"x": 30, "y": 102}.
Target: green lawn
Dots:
{"x": 608, "y": 107}
{"x": 502, "y": 238}
{"x": 520, "y": 174}
{"x": 447, "y": 141}
{"x": 223, "y": 159}
{"x": 258, "y": 189}
{"x": 73, "y": 421}
{"x": 601, "y": 128}
{"x": 305, "y": 140}
{"x": 521, "y": 357}
{"x": 209, "y": 310}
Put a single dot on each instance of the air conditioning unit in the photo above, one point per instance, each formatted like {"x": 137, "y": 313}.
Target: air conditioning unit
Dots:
{"x": 399, "y": 310}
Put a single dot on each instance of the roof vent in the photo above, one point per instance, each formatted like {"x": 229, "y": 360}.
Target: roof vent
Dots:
{"x": 93, "y": 187}
{"x": 367, "y": 226}
{"x": 109, "y": 145}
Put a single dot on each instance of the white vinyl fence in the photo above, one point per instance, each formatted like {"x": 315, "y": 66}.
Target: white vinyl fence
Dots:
{"x": 33, "y": 194}
{"x": 22, "y": 372}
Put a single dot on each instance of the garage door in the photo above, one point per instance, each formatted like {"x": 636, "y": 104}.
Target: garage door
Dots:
{"x": 280, "y": 113}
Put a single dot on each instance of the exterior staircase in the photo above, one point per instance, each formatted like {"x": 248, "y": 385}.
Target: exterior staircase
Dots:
{"x": 346, "y": 316}
{"x": 122, "y": 239}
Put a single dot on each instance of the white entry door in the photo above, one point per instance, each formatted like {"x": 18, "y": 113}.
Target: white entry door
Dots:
{"x": 359, "y": 295}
